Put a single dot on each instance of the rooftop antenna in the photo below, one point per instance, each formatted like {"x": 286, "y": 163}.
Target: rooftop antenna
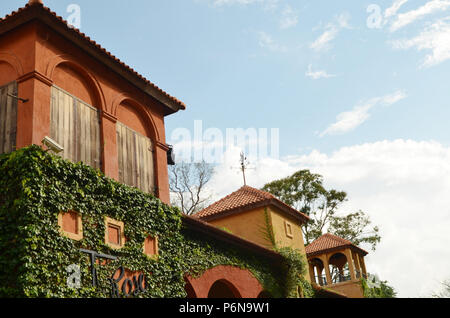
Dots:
{"x": 244, "y": 166}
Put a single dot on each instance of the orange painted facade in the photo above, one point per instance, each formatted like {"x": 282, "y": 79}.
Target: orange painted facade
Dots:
{"x": 235, "y": 283}
{"x": 38, "y": 56}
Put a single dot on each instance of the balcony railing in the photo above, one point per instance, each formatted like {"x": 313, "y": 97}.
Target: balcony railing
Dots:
{"x": 339, "y": 278}
{"x": 321, "y": 280}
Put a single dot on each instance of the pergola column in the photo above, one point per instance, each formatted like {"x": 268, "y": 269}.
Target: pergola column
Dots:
{"x": 311, "y": 272}
{"x": 327, "y": 269}
{"x": 357, "y": 263}
{"x": 350, "y": 264}
{"x": 363, "y": 266}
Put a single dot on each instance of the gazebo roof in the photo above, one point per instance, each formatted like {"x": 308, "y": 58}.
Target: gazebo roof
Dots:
{"x": 328, "y": 243}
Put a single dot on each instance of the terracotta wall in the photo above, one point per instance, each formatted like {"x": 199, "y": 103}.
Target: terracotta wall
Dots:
{"x": 248, "y": 225}
{"x": 240, "y": 281}
{"x": 37, "y": 58}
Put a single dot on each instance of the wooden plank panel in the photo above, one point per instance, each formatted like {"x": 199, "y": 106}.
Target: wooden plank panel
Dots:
{"x": 60, "y": 136}
{"x": 120, "y": 150}
{"x": 3, "y": 103}
{"x": 140, "y": 163}
{"x": 135, "y": 159}
{"x": 93, "y": 139}
{"x": 151, "y": 166}
{"x": 88, "y": 136}
{"x": 76, "y": 126}
{"x": 8, "y": 117}
{"x": 53, "y": 113}
{"x": 7, "y": 146}
{"x": 13, "y": 131}
{"x": 66, "y": 109}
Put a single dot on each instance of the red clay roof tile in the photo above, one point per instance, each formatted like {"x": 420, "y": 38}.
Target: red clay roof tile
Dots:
{"x": 246, "y": 197}
{"x": 330, "y": 242}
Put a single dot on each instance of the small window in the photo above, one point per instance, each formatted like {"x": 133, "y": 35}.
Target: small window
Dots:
{"x": 151, "y": 246}
{"x": 70, "y": 225}
{"x": 288, "y": 227}
{"x": 114, "y": 233}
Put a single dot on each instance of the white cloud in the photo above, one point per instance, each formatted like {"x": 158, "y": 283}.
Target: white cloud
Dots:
{"x": 317, "y": 74}
{"x": 232, "y": 2}
{"x": 402, "y": 184}
{"x": 348, "y": 121}
{"x": 435, "y": 38}
{"x": 409, "y": 17}
{"x": 267, "y": 42}
{"x": 289, "y": 18}
{"x": 268, "y": 5}
{"x": 392, "y": 10}
{"x": 322, "y": 43}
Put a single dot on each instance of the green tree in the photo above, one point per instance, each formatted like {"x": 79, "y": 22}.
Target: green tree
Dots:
{"x": 356, "y": 228}
{"x": 382, "y": 290}
{"x": 305, "y": 192}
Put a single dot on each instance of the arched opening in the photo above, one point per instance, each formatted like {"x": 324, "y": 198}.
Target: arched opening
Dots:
{"x": 75, "y": 115}
{"x": 339, "y": 269}
{"x": 133, "y": 116}
{"x": 318, "y": 275}
{"x": 74, "y": 80}
{"x": 223, "y": 289}
{"x": 265, "y": 294}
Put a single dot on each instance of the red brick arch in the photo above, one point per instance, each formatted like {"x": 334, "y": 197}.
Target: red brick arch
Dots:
{"x": 240, "y": 280}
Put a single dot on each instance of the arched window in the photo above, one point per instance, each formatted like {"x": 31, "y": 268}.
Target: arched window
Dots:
{"x": 74, "y": 119}
{"x": 8, "y": 118}
{"x": 135, "y": 149}
{"x": 318, "y": 275}
{"x": 339, "y": 270}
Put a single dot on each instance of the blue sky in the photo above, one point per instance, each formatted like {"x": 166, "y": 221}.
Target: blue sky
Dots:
{"x": 217, "y": 57}
{"x": 365, "y": 107}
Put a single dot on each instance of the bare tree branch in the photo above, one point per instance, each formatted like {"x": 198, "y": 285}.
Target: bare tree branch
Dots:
{"x": 187, "y": 182}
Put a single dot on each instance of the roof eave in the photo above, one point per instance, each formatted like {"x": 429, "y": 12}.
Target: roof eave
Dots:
{"x": 338, "y": 248}
{"x": 302, "y": 218}
{"x": 205, "y": 228}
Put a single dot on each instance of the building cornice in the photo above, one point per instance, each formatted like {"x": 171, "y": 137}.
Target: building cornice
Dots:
{"x": 35, "y": 75}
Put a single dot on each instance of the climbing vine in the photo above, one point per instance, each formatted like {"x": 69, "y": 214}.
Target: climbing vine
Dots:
{"x": 294, "y": 265}
{"x": 35, "y": 186}
{"x": 383, "y": 290}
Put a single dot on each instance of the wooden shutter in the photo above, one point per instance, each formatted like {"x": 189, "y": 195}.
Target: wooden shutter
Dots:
{"x": 8, "y": 118}
{"x": 75, "y": 125}
{"x": 136, "y": 167}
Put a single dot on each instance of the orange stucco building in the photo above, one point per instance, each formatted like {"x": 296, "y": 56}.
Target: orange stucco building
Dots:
{"x": 333, "y": 262}
{"x": 58, "y": 87}
{"x": 46, "y": 62}
{"x": 251, "y": 213}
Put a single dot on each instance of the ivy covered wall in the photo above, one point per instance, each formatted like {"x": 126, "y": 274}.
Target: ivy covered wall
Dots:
{"x": 36, "y": 186}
